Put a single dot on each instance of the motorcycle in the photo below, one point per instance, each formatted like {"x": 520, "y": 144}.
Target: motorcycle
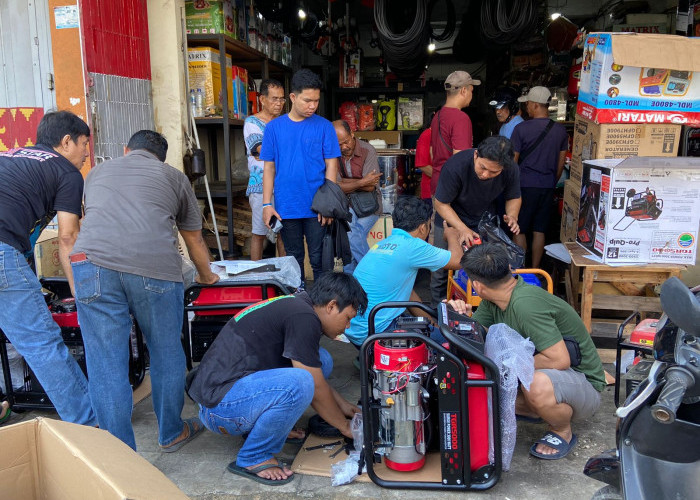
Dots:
{"x": 658, "y": 428}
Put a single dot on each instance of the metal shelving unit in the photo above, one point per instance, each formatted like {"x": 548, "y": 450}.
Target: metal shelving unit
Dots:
{"x": 258, "y": 65}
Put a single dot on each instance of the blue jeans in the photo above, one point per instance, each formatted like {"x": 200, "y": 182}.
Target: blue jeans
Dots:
{"x": 26, "y": 321}
{"x": 359, "y": 227}
{"x": 265, "y": 404}
{"x": 293, "y": 233}
{"x": 105, "y": 299}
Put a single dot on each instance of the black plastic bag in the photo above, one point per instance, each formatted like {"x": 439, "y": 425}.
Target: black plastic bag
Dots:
{"x": 490, "y": 232}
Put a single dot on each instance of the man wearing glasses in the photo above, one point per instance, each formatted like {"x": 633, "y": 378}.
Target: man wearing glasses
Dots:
{"x": 272, "y": 100}
{"x": 469, "y": 185}
{"x": 358, "y": 172}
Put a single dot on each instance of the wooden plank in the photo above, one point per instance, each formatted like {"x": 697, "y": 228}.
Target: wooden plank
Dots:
{"x": 622, "y": 303}
{"x": 628, "y": 288}
{"x": 570, "y": 297}
{"x": 630, "y": 275}
{"x": 587, "y": 298}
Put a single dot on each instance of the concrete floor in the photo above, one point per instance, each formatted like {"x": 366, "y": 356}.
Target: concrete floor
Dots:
{"x": 199, "y": 468}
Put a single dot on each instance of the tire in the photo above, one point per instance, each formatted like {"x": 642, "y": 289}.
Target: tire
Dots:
{"x": 607, "y": 493}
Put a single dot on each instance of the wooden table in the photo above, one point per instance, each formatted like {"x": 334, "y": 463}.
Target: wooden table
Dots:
{"x": 622, "y": 278}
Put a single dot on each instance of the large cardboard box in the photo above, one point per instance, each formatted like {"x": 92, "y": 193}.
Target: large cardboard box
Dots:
{"x": 381, "y": 230}
{"x": 392, "y": 138}
{"x": 620, "y": 140}
{"x": 640, "y": 78}
{"x": 640, "y": 209}
{"x": 569, "y": 213}
{"x": 54, "y": 460}
{"x": 46, "y": 258}
{"x": 204, "y": 69}
{"x": 211, "y": 17}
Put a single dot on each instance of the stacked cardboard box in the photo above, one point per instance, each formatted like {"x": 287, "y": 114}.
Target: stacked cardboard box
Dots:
{"x": 628, "y": 108}
{"x": 204, "y": 70}
{"x": 211, "y": 17}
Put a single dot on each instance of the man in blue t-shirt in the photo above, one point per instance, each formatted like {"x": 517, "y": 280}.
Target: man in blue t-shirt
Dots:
{"x": 541, "y": 164}
{"x": 505, "y": 104}
{"x": 300, "y": 151}
{"x": 388, "y": 271}
{"x": 39, "y": 183}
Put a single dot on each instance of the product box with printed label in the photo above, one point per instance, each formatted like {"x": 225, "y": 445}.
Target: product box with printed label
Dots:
{"x": 204, "y": 67}
{"x": 569, "y": 213}
{"x": 239, "y": 90}
{"x": 410, "y": 113}
{"x": 46, "y": 260}
{"x": 210, "y": 17}
{"x": 640, "y": 209}
{"x": 640, "y": 78}
{"x": 620, "y": 140}
{"x": 381, "y": 230}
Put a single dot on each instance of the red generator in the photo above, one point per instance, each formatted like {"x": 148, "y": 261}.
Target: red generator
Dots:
{"x": 31, "y": 396}
{"x": 421, "y": 399}
{"x": 212, "y": 306}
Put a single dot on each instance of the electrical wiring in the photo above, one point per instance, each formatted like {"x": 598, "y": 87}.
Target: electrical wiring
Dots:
{"x": 504, "y": 22}
{"x": 405, "y": 52}
{"x": 451, "y": 21}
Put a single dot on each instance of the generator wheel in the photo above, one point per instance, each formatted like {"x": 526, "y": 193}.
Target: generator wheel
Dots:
{"x": 607, "y": 493}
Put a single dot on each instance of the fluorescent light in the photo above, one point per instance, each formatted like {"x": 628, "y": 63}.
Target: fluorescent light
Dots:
{"x": 555, "y": 16}
{"x": 431, "y": 47}
{"x": 302, "y": 14}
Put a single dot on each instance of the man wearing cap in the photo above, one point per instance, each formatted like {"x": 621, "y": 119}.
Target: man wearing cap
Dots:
{"x": 505, "y": 104}
{"x": 540, "y": 147}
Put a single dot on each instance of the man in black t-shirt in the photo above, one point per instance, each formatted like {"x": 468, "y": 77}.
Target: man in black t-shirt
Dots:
{"x": 39, "y": 183}
{"x": 266, "y": 367}
{"x": 469, "y": 184}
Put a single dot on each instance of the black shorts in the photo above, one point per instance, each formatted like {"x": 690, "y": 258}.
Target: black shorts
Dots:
{"x": 536, "y": 209}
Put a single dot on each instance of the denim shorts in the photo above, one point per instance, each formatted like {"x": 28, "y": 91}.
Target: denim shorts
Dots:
{"x": 572, "y": 387}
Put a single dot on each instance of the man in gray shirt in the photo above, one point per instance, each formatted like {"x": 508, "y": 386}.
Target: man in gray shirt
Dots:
{"x": 125, "y": 262}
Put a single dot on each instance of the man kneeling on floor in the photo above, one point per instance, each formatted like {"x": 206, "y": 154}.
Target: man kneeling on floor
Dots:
{"x": 559, "y": 393}
{"x": 266, "y": 367}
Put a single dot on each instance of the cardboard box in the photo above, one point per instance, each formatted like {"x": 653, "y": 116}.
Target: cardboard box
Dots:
{"x": 239, "y": 91}
{"x": 349, "y": 70}
{"x": 593, "y": 141}
{"x": 46, "y": 258}
{"x": 410, "y": 113}
{"x": 392, "y": 138}
{"x": 640, "y": 209}
{"x": 381, "y": 230}
{"x": 55, "y": 460}
{"x": 204, "y": 69}
{"x": 569, "y": 214}
{"x": 640, "y": 78}
{"x": 211, "y": 17}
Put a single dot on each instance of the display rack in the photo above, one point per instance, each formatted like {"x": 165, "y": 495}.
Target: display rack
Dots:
{"x": 258, "y": 65}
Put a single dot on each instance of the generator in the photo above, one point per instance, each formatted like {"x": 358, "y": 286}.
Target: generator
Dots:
{"x": 430, "y": 405}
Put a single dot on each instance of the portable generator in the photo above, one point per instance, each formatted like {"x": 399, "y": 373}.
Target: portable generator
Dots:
{"x": 641, "y": 206}
{"x": 430, "y": 405}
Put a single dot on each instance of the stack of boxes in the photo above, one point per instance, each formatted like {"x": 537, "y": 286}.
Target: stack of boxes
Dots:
{"x": 636, "y": 93}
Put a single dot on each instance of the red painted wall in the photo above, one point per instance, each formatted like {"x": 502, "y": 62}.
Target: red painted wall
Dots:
{"x": 18, "y": 127}
{"x": 115, "y": 34}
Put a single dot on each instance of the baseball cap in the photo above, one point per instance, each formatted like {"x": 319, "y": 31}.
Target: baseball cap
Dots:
{"x": 541, "y": 95}
{"x": 458, "y": 79}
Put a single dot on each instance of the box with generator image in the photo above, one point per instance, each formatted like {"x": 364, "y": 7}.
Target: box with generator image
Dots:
{"x": 640, "y": 210}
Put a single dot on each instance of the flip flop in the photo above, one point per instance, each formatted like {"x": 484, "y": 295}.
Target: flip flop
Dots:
{"x": 195, "y": 426}
{"x": 554, "y": 440}
{"x": 253, "y": 473}
{"x": 6, "y": 416}
{"x": 530, "y": 420}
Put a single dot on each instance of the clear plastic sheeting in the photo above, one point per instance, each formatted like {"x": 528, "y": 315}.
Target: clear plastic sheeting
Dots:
{"x": 513, "y": 355}
{"x": 346, "y": 471}
{"x": 287, "y": 273}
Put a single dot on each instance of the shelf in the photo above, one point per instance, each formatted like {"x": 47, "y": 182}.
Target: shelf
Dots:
{"x": 218, "y": 120}
{"x": 378, "y": 90}
{"x": 218, "y": 189}
{"x": 242, "y": 54}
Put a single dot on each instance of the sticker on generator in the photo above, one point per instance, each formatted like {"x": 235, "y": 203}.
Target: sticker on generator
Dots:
{"x": 451, "y": 431}
{"x": 384, "y": 359}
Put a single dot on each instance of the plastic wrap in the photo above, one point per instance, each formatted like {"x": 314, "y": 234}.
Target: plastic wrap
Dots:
{"x": 365, "y": 114}
{"x": 348, "y": 112}
{"x": 513, "y": 355}
{"x": 288, "y": 272}
{"x": 346, "y": 471}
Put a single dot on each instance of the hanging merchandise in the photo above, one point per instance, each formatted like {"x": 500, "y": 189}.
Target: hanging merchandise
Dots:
{"x": 365, "y": 117}
{"x": 575, "y": 77}
{"x": 348, "y": 112}
{"x": 504, "y": 22}
{"x": 406, "y": 52}
{"x": 386, "y": 115}
{"x": 349, "y": 69}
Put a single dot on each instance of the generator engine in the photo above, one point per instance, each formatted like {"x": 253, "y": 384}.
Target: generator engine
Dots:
{"x": 401, "y": 369}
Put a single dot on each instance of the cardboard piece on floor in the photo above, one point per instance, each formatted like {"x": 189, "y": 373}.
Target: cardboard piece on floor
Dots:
{"x": 51, "y": 459}
{"x": 318, "y": 463}
{"x": 143, "y": 390}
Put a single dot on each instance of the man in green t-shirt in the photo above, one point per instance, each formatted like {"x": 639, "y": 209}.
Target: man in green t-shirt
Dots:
{"x": 559, "y": 393}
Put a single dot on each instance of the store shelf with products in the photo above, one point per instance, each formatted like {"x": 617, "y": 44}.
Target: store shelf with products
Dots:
{"x": 217, "y": 132}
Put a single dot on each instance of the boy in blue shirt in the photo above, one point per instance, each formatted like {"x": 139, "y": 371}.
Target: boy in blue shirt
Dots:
{"x": 388, "y": 271}
{"x": 300, "y": 150}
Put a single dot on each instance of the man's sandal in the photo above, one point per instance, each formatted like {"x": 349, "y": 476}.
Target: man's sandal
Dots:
{"x": 194, "y": 427}
{"x": 253, "y": 473}
{"x": 554, "y": 440}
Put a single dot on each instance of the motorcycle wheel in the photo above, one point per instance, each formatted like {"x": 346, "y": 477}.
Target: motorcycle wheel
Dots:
{"x": 607, "y": 493}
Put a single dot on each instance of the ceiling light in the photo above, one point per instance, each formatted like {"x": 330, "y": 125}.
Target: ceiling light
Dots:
{"x": 431, "y": 47}
{"x": 555, "y": 16}
{"x": 260, "y": 16}
{"x": 302, "y": 14}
